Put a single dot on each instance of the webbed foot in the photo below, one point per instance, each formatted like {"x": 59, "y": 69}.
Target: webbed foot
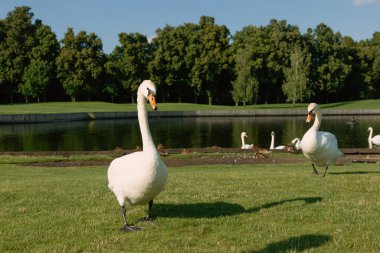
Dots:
{"x": 146, "y": 218}
{"x": 128, "y": 228}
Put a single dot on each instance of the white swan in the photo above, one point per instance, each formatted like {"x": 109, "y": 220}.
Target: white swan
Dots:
{"x": 243, "y": 145}
{"x": 296, "y": 142}
{"x": 373, "y": 140}
{"x": 272, "y": 143}
{"x": 321, "y": 148}
{"x": 138, "y": 177}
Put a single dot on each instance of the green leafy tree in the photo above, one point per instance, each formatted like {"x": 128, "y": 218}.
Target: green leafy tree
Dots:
{"x": 41, "y": 69}
{"x": 172, "y": 60}
{"x": 296, "y": 76}
{"x": 35, "y": 80}
{"x": 211, "y": 44}
{"x": 15, "y": 47}
{"x": 80, "y": 63}
{"x": 329, "y": 66}
{"x": 269, "y": 48}
{"x": 246, "y": 86}
{"x": 112, "y": 83}
{"x": 129, "y": 62}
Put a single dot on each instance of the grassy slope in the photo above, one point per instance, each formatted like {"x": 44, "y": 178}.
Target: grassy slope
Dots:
{"x": 66, "y": 107}
{"x": 224, "y": 208}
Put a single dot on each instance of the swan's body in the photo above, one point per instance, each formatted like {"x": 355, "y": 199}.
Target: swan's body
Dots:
{"x": 243, "y": 145}
{"x": 296, "y": 142}
{"x": 139, "y": 177}
{"x": 373, "y": 140}
{"x": 321, "y": 148}
{"x": 272, "y": 143}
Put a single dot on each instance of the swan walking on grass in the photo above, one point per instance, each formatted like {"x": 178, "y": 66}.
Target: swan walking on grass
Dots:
{"x": 373, "y": 140}
{"x": 272, "y": 143}
{"x": 321, "y": 148}
{"x": 243, "y": 145}
{"x": 138, "y": 177}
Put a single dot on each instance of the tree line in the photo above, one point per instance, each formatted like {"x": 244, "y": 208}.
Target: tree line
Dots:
{"x": 199, "y": 63}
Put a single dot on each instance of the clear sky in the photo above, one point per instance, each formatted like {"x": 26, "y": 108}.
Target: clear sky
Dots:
{"x": 107, "y": 18}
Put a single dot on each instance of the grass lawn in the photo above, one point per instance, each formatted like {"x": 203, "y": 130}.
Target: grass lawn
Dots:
{"x": 72, "y": 107}
{"x": 218, "y": 208}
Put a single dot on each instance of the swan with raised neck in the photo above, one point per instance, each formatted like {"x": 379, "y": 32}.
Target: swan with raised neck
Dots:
{"x": 373, "y": 140}
{"x": 139, "y": 177}
{"x": 320, "y": 147}
{"x": 243, "y": 145}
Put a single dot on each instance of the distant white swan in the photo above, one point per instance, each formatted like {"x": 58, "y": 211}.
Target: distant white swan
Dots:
{"x": 243, "y": 145}
{"x": 272, "y": 143}
{"x": 321, "y": 148}
{"x": 373, "y": 140}
{"x": 138, "y": 177}
{"x": 296, "y": 142}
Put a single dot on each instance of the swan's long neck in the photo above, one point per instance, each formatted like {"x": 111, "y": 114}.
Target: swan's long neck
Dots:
{"x": 317, "y": 121}
{"x": 242, "y": 141}
{"x": 370, "y": 137}
{"x": 143, "y": 122}
{"x": 272, "y": 142}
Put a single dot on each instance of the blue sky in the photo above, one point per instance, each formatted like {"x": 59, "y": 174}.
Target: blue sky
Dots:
{"x": 356, "y": 18}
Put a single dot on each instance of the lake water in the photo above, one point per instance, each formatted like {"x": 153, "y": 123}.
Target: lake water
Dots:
{"x": 197, "y": 132}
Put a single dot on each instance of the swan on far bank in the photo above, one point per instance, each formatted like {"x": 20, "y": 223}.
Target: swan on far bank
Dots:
{"x": 272, "y": 143}
{"x": 138, "y": 177}
{"x": 296, "y": 142}
{"x": 243, "y": 145}
{"x": 321, "y": 148}
{"x": 373, "y": 140}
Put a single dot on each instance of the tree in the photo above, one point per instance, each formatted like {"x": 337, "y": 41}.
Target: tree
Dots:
{"x": 15, "y": 47}
{"x": 211, "y": 44}
{"x": 269, "y": 48}
{"x": 80, "y": 63}
{"x": 246, "y": 86}
{"x": 35, "y": 80}
{"x": 296, "y": 76}
{"x": 131, "y": 61}
{"x": 172, "y": 60}
{"x": 328, "y": 67}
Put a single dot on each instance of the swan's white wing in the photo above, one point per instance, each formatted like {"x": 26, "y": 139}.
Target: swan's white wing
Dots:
{"x": 327, "y": 151}
{"x": 247, "y": 146}
{"x": 376, "y": 140}
{"x": 132, "y": 178}
{"x": 327, "y": 140}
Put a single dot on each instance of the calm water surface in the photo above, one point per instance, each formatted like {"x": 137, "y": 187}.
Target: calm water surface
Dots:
{"x": 178, "y": 133}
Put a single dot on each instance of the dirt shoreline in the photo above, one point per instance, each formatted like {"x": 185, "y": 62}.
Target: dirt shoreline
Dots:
{"x": 200, "y": 156}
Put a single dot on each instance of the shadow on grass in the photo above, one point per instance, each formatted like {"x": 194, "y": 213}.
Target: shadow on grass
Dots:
{"x": 217, "y": 209}
{"x": 295, "y": 244}
{"x": 309, "y": 200}
{"x": 198, "y": 210}
{"x": 355, "y": 173}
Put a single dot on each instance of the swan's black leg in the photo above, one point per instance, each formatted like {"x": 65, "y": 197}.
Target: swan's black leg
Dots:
{"x": 315, "y": 171}
{"x": 327, "y": 167}
{"x": 148, "y": 216}
{"x": 127, "y": 228}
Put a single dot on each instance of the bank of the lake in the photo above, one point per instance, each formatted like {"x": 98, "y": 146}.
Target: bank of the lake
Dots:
{"x": 86, "y": 116}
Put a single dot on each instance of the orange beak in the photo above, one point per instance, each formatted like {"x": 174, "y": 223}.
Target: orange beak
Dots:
{"x": 309, "y": 117}
{"x": 152, "y": 101}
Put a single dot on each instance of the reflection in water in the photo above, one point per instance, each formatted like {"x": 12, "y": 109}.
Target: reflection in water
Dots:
{"x": 178, "y": 132}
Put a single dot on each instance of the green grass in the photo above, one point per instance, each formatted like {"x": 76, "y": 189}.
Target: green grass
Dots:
{"x": 71, "y": 107}
{"x": 223, "y": 208}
